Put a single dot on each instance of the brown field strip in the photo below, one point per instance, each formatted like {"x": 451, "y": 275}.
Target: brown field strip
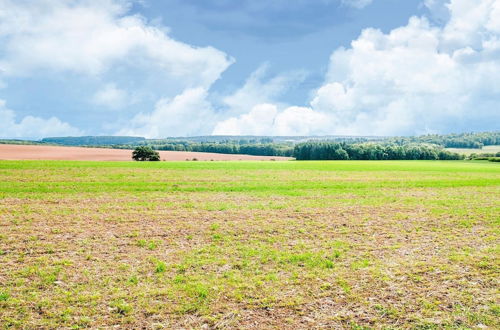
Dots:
{"x": 37, "y": 152}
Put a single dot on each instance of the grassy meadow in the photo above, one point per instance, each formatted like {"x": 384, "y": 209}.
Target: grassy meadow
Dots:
{"x": 388, "y": 244}
{"x": 468, "y": 152}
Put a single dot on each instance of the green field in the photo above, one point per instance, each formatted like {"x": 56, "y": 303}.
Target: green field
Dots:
{"x": 389, "y": 244}
{"x": 467, "y": 152}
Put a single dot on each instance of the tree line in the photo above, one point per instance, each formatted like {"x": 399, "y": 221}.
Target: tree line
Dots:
{"x": 370, "y": 151}
{"x": 363, "y": 148}
{"x": 464, "y": 140}
{"x": 276, "y": 145}
{"x": 257, "y": 149}
{"x": 317, "y": 150}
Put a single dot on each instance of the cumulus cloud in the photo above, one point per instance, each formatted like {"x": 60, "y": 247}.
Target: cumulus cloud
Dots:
{"x": 90, "y": 36}
{"x": 259, "y": 121}
{"x": 416, "y": 79}
{"x": 32, "y": 127}
{"x": 259, "y": 90}
{"x": 299, "y": 121}
{"x": 186, "y": 114}
{"x": 99, "y": 40}
{"x": 265, "y": 119}
{"x": 191, "y": 112}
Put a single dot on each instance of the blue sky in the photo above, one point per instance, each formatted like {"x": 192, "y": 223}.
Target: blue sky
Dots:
{"x": 249, "y": 67}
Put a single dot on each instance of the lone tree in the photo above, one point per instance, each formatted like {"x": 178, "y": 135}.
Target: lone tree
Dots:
{"x": 144, "y": 153}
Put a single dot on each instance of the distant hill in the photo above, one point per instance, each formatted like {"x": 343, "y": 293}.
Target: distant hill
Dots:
{"x": 265, "y": 139}
{"x": 20, "y": 142}
{"x": 93, "y": 140}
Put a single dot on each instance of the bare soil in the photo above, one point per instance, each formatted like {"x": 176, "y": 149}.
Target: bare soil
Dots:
{"x": 36, "y": 152}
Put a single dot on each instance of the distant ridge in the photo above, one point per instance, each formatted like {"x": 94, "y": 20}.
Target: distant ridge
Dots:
{"x": 462, "y": 140}
{"x": 92, "y": 140}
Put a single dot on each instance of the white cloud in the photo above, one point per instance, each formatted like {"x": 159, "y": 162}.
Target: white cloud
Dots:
{"x": 416, "y": 79}
{"x": 187, "y": 114}
{"x": 258, "y": 90}
{"x": 112, "y": 97}
{"x": 300, "y": 121}
{"x": 100, "y": 41}
{"x": 32, "y": 127}
{"x": 265, "y": 119}
{"x": 259, "y": 121}
{"x": 259, "y": 95}
{"x": 90, "y": 36}
{"x": 359, "y": 4}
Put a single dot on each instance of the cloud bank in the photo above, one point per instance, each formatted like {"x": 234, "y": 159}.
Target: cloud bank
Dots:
{"x": 187, "y": 114}
{"x": 98, "y": 40}
{"x": 92, "y": 36}
{"x": 416, "y": 79}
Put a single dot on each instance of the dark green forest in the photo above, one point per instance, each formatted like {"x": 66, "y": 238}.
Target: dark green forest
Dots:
{"x": 371, "y": 151}
{"x": 256, "y": 149}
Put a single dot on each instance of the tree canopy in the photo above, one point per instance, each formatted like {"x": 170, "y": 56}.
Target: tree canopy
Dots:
{"x": 370, "y": 151}
{"x": 145, "y": 153}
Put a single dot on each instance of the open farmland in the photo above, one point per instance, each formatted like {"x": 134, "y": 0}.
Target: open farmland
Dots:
{"x": 399, "y": 244}
{"x": 467, "y": 152}
{"x": 38, "y": 152}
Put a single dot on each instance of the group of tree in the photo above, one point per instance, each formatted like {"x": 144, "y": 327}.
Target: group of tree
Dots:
{"x": 145, "y": 153}
{"x": 370, "y": 151}
{"x": 464, "y": 140}
{"x": 314, "y": 151}
{"x": 491, "y": 156}
{"x": 256, "y": 149}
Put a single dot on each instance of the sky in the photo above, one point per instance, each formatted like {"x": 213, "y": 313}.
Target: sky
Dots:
{"x": 160, "y": 68}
